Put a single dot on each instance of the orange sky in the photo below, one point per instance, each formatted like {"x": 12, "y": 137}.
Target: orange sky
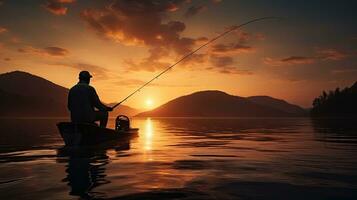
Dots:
{"x": 125, "y": 43}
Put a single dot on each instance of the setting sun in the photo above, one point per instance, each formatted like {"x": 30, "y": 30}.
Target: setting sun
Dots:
{"x": 149, "y": 103}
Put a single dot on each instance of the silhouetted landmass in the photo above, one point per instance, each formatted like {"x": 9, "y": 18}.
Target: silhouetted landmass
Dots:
{"x": 25, "y": 95}
{"x": 337, "y": 103}
{"x": 278, "y": 104}
{"x": 220, "y": 104}
{"x": 123, "y": 110}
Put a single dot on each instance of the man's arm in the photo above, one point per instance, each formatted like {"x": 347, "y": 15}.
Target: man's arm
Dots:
{"x": 69, "y": 100}
{"x": 97, "y": 103}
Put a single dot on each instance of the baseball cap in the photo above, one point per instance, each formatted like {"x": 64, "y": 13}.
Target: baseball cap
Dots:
{"x": 84, "y": 74}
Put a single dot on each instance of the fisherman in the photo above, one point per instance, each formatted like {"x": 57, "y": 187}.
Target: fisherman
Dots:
{"x": 84, "y": 103}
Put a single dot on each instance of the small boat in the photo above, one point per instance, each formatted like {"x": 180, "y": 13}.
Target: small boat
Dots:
{"x": 80, "y": 134}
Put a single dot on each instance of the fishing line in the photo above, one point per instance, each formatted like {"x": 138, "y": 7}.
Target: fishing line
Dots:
{"x": 191, "y": 53}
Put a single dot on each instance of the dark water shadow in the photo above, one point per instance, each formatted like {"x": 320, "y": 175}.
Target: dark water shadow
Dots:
{"x": 86, "y": 167}
{"x": 242, "y": 190}
{"x": 338, "y": 130}
{"x": 274, "y": 190}
{"x": 28, "y": 134}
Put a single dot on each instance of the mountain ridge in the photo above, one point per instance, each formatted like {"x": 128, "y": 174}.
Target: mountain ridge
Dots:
{"x": 23, "y": 94}
{"x": 215, "y": 103}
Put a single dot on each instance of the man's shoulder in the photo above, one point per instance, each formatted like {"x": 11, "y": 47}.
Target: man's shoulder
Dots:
{"x": 91, "y": 88}
{"x": 81, "y": 86}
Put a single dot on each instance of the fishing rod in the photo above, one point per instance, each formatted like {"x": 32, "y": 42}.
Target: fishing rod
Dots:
{"x": 191, "y": 53}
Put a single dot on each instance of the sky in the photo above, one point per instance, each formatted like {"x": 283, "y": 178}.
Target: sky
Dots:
{"x": 124, "y": 43}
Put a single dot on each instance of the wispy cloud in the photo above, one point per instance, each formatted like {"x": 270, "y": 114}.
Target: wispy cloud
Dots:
{"x": 320, "y": 55}
{"x": 222, "y": 61}
{"x": 291, "y": 60}
{"x": 3, "y": 29}
{"x": 138, "y": 82}
{"x": 97, "y": 71}
{"x": 231, "y": 49}
{"x": 330, "y": 54}
{"x": 57, "y": 7}
{"x": 47, "y": 51}
{"x": 216, "y": 1}
{"x": 194, "y": 10}
{"x": 244, "y": 37}
{"x": 343, "y": 71}
{"x": 225, "y": 65}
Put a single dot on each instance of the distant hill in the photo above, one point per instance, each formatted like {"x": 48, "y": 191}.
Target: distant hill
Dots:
{"x": 278, "y": 104}
{"x": 123, "y": 110}
{"x": 25, "y": 95}
{"x": 336, "y": 103}
{"x": 220, "y": 104}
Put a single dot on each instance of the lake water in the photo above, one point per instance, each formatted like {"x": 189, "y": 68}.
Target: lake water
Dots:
{"x": 184, "y": 159}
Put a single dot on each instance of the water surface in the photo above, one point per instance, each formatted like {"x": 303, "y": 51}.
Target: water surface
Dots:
{"x": 184, "y": 158}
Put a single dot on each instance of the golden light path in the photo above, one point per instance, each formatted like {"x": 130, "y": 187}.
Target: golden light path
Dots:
{"x": 147, "y": 140}
{"x": 148, "y": 135}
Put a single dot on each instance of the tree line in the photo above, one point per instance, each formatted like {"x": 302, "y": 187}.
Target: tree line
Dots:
{"x": 336, "y": 103}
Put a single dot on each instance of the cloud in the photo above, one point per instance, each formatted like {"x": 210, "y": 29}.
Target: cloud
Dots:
{"x": 291, "y": 60}
{"x": 194, "y": 10}
{"x": 142, "y": 23}
{"x": 130, "y": 82}
{"x": 145, "y": 64}
{"x": 234, "y": 70}
{"x": 201, "y": 40}
{"x": 3, "y": 29}
{"x": 22, "y": 50}
{"x": 244, "y": 37}
{"x": 222, "y": 61}
{"x": 138, "y": 82}
{"x": 331, "y": 54}
{"x": 224, "y": 64}
{"x": 320, "y": 55}
{"x": 259, "y": 36}
{"x": 196, "y": 59}
{"x": 15, "y": 40}
{"x": 136, "y": 22}
{"x": 47, "y": 51}
{"x": 56, "y": 51}
{"x": 97, "y": 71}
{"x": 230, "y": 49}
{"x": 147, "y": 24}
{"x": 57, "y": 7}
{"x": 344, "y": 71}
{"x": 298, "y": 60}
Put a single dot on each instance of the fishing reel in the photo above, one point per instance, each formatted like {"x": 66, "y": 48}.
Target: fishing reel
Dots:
{"x": 122, "y": 123}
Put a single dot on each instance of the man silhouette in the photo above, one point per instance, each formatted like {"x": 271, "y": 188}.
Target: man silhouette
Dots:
{"x": 83, "y": 102}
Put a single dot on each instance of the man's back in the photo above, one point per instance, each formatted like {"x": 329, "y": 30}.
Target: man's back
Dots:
{"x": 80, "y": 103}
{"x": 83, "y": 100}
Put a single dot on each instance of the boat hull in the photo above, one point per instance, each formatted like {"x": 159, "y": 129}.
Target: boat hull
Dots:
{"x": 79, "y": 134}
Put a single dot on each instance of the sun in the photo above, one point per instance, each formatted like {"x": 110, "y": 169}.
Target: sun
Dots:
{"x": 149, "y": 103}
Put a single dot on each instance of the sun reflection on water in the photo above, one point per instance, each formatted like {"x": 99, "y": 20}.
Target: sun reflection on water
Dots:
{"x": 148, "y": 134}
{"x": 147, "y": 140}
